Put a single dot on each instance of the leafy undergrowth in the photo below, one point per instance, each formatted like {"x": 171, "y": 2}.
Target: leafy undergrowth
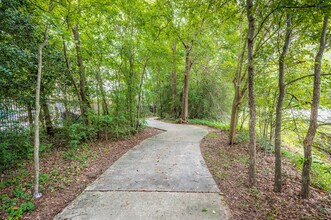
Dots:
{"x": 320, "y": 170}
{"x": 213, "y": 124}
{"x": 63, "y": 175}
{"x": 196, "y": 121}
{"x": 229, "y": 166}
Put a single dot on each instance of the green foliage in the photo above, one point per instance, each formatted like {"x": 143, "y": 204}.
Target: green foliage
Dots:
{"x": 321, "y": 171}
{"x": 211, "y": 135}
{"x": 265, "y": 144}
{"x": 213, "y": 124}
{"x": 17, "y": 205}
{"x": 78, "y": 133}
{"x": 243, "y": 136}
{"x": 13, "y": 147}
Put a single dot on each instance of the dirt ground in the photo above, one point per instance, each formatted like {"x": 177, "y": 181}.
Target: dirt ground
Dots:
{"x": 229, "y": 167}
{"x": 65, "y": 175}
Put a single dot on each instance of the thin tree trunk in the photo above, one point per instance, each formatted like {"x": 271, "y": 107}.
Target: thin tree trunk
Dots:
{"x": 118, "y": 89}
{"x": 67, "y": 118}
{"x": 130, "y": 92}
{"x": 70, "y": 72}
{"x": 307, "y": 143}
{"x": 30, "y": 117}
{"x": 174, "y": 81}
{"x": 281, "y": 95}
{"x": 48, "y": 120}
{"x": 251, "y": 95}
{"x": 82, "y": 78}
{"x": 160, "y": 94}
{"x": 105, "y": 110}
{"x": 188, "y": 65}
{"x": 140, "y": 94}
{"x": 36, "y": 193}
{"x": 239, "y": 93}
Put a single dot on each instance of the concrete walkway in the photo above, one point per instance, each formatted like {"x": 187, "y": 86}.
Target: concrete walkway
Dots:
{"x": 164, "y": 177}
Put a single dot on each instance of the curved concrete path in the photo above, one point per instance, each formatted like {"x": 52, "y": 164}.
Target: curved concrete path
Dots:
{"x": 164, "y": 177}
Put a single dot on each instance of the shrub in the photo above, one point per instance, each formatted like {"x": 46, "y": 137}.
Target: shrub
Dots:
{"x": 13, "y": 147}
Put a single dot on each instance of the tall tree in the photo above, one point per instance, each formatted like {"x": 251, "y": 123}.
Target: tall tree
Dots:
{"x": 188, "y": 65}
{"x": 174, "y": 79}
{"x": 82, "y": 78}
{"x": 36, "y": 193}
{"x": 251, "y": 95}
{"x": 240, "y": 88}
{"x": 281, "y": 95}
{"x": 307, "y": 143}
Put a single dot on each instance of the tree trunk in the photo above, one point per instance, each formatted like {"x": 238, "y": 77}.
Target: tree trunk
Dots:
{"x": 48, "y": 120}
{"x": 174, "y": 81}
{"x": 307, "y": 143}
{"x": 159, "y": 109}
{"x": 36, "y": 193}
{"x": 188, "y": 65}
{"x": 140, "y": 94}
{"x": 70, "y": 74}
{"x": 130, "y": 92}
{"x": 281, "y": 95}
{"x": 82, "y": 79}
{"x": 239, "y": 93}
{"x": 30, "y": 116}
{"x": 105, "y": 110}
{"x": 251, "y": 95}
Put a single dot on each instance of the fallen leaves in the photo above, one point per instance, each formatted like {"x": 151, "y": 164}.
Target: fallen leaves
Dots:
{"x": 229, "y": 168}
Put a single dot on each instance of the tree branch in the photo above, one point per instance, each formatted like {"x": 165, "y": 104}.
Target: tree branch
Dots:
{"x": 300, "y": 78}
{"x": 324, "y": 124}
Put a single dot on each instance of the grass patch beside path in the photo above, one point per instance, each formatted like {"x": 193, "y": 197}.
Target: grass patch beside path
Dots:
{"x": 213, "y": 124}
{"x": 229, "y": 167}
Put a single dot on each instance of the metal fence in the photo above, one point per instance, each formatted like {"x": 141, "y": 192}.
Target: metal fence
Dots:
{"x": 14, "y": 116}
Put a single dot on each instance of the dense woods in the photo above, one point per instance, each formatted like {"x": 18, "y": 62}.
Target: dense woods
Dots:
{"x": 73, "y": 71}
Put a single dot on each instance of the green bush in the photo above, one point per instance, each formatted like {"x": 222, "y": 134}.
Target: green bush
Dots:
{"x": 13, "y": 147}
{"x": 213, "y": 124}
{"x": 242, "y": 136}
{"x": 320, "y": 170}
{"x": 79, "y": 133}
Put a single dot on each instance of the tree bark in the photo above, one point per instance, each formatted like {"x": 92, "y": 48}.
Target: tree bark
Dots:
{"x": 105, "y": 110}
{"x": 251, "y": 95}
{"x": 174, "y": 81}
{"x": 30, "y": 117}
{"x": 48, "y": 120}
{"x": 82, "y": 78}
{"x": 140, "y": 93}
{"x": 307, "y": 143}
{"x": 36, "y": 193}
{"x": 281, "y": 95}
{"x": 130, "y": 91}
{"x": 188, "y": 65}
{"x": 69, "y": 70}
{"x": 239, "y": 93}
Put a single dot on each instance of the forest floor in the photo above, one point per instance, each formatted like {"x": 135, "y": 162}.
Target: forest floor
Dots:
{"x": 229, "y": 166}
{"x": 64, "y": 175}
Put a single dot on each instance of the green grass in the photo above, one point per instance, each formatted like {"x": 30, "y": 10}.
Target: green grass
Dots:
{"x": 320, "y": 170}
{"x": 212, "y": 135}
{"x": 213, "y": 124}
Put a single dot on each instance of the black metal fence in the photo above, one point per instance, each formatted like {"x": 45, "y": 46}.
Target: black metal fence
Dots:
{"x": 14, "y": 116}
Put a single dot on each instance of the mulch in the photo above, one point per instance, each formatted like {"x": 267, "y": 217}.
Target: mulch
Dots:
{"x": 229, "y": 167}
